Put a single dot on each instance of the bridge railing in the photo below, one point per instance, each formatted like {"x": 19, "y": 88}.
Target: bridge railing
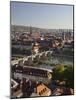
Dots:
{"x": 31, "y": 56}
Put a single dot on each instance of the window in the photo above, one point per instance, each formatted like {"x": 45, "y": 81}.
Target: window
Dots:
{"x": 39, "y": 93}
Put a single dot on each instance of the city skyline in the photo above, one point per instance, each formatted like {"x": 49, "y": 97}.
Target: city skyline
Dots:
{"x": 42, "y": 15}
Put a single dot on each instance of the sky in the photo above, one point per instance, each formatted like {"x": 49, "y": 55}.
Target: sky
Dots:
{"x": 49, "y": 16}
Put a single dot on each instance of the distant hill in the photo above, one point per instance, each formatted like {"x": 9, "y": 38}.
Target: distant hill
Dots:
{"x": 18, "y": 28}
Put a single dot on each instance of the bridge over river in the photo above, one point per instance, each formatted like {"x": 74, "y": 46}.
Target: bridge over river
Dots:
{"x": 22, "y": 60}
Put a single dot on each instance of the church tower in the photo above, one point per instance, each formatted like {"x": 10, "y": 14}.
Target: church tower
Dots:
{"x": 30, "y": 30}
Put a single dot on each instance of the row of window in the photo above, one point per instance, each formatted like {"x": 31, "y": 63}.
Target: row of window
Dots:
{"x": 36, "y": 72}
{"x": 42, "y": 91}
{"x": 31, "y": 71}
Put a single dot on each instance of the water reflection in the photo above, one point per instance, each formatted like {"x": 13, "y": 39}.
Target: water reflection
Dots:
{"x": 50, "y": 63}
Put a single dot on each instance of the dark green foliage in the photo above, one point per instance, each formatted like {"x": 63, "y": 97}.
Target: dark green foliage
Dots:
{"x": 65, "y": 73}
{"x": 69, "y": 76}
{"x": 58, "y": 72}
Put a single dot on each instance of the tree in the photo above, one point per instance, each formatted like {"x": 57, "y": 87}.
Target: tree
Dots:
{"x": 58, "y": 71}
{"x": 65, "y": 73}
{"x": 69, "y": 76}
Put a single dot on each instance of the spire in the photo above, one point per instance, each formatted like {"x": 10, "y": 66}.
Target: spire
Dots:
{"x": 30, "y": 30}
